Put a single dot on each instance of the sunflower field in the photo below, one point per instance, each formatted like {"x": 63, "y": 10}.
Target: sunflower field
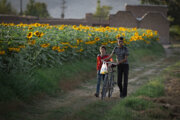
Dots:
{"x": 24, "y": 47}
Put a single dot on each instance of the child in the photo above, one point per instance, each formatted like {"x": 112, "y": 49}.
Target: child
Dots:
{"x": 100, "y": 57}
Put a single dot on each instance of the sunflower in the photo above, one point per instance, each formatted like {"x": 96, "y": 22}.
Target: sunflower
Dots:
{"x": 14, "y": 49}
{"x": 118, "y": 35}
{"x": 29, "y": 35}
{"x": 64, "y": 47}
{"x": 2, "y": 52}
{"x": 104, "y": 43}
{"x": 79, "y": 40}
{"x": 37, "y": 33}
{"x": 41, "y": 34}
{"x": 45, "y": 45}
{"x": 74, "y": 26}
{"x": 32, "y": 42}
{"x": 22, "y": 46}
{"x": 55, "y": 48}
{"x": 112, "y": 42}
{"x": 65, "y": 43}
{"x": 79, "y": 50}
{"x": 97, "y": 39}
{"x": 61, "y": 50}
{"x": 30, "y": 28}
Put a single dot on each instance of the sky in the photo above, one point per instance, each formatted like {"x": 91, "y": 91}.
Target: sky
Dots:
{"x": 76, "y": 8}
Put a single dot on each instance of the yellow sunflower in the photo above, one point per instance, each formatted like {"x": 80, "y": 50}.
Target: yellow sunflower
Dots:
{"x": 45, "y": 45}
{"x": 2, "y": 52}
{"x": 29, "y": 35}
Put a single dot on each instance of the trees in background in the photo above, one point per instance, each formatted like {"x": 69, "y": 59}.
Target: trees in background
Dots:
{"x": 173, "y": 9}
{"x": 102, "y": 13}
{"x": 6, "y": 8}
{"x": 37, "y": 9}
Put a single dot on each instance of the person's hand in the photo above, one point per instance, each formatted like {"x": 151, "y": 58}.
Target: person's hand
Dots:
{"x": 122, "y": 61}
{"x": 102, "y": 60}
{"x": 109, "y": 65}
{"x": 116, "y": 63}
{"x": 119, "y": 62}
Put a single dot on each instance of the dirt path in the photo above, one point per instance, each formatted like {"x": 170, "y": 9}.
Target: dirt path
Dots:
{"x": 77, "y": 99}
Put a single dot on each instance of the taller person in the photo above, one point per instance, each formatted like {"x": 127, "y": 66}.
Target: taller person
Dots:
{"x": 122, "y": 54}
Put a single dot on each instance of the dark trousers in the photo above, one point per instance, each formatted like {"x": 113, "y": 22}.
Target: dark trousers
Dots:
{"x": 123, "y": 70}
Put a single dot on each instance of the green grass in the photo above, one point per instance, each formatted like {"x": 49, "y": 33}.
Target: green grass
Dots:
{"x": 136, "y": 103}
{"x": 154, "y": 88}
{"x": 128, "y": 108}
{"x": 138, "y": 56}
{"x": 20, "y": 86}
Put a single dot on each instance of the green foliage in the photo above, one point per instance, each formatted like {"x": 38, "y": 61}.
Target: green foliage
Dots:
{"x": 37, "y": 9}
{"x": 175, "y": 34}
{"x": 35, "y": 56}
{"x": 174, "y": 70}
{"x": 6, "y": 8}
{"x": 137, "y": 104}
{"x": 156, "y": 2}
{"x": 138, "y": 56}
{"x": 173, "y": 11}
{"x": 126, "y": 109}
{"x": 173, "y": 8}
{"x": 102, "y": 13}
{"x": 45, "y": 80}
{"x": 154, "y": 88}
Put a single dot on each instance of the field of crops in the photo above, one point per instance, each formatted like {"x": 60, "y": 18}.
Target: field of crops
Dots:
{"x": 24, "y": 47}
{"x": 36, "y": 58}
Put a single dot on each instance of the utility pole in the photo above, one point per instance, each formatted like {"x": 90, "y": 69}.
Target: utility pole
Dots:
{"x": 21, "y": 7}
{"x": 63, "y": 7}
{"x": 100, "y": 10}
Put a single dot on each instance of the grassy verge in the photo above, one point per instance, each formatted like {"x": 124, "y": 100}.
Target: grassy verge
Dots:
{"x": 143, "y": 103}
{"x": 138, "y": 57}
{"x": 48, "y": 80}
{"x": 175, "y": 34}
{"x": 66, "y": 77}
{"x": 135, "y": 105}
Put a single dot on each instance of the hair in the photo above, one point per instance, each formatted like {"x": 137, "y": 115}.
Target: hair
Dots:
{"x": 103, "y": 47}
{"x": 120, "y": 38}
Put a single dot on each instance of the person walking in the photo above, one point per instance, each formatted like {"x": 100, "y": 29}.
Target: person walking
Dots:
{"x": 122, "y": 54}
{"x": 100, "y": 77}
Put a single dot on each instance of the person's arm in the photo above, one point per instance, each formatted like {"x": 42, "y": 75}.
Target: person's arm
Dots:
{"x": 110, "y": 56}
{"x": 98, "y": 62}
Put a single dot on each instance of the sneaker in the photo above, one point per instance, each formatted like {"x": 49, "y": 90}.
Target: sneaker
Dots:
{"x": 97, "y": 95}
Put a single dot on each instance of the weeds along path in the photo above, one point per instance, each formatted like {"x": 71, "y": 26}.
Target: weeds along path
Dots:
{"x": 64, "y": 106}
